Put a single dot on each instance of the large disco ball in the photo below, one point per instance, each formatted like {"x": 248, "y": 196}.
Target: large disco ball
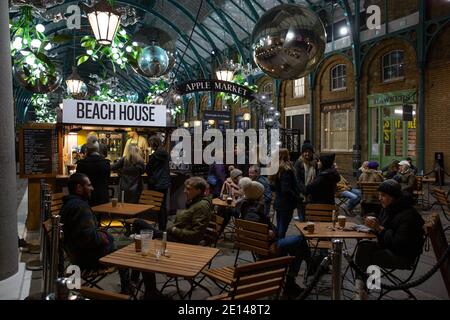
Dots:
{"x": 153, "y": 61}
{"x": 288, "y": 41}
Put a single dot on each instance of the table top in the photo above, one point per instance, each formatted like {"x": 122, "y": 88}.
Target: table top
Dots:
{"x": 181, "y": 260}
{"x": 222, "y": 203}
{"x": 124, "y": 209}
{"x": 323, "y": 230}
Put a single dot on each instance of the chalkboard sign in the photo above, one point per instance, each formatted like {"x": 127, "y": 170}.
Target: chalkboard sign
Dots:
{"x": 39, "y": 151}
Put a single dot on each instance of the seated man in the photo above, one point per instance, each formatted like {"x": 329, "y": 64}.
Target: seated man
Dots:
{"x": 190, "y": 224}
{"x": 252, "y": 208}
{"x": 84, "y": 242}
{"x": 406, "y": 177}
{"x": 399, "y": 230}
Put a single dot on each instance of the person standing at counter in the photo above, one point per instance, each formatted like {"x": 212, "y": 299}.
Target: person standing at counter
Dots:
{"x": 158, "y": 173}
{"x": 92, "y": 137}
{"x": 139, "y": 141}
{"x": 98, "y": 169}
{"x": 132, "y": 167}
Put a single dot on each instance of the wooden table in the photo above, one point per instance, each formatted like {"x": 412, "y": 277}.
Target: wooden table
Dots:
{"x": 322, "y": 230}
{"x": 123, "y": 210}
{"x": 181, "y": 260}
{"x": 222, "y": 203}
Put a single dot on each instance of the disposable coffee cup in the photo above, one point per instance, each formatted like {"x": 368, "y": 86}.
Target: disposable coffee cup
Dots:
{"x": 114, "y": 202}
{"x": 229, "y": 200}
{"x": 137, "y": 243}
{"x": 341, "y": 221}
{"x": 310, "y": 227}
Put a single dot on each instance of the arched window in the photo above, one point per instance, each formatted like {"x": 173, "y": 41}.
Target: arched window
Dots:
{"x": 338, "y": 77}
{"x": 393, "y": 65}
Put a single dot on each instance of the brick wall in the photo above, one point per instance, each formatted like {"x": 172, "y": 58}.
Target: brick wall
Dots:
{"x": 325, "y": 95}
{"x": 437, "y": 101}
{"x": 438, "y": 8}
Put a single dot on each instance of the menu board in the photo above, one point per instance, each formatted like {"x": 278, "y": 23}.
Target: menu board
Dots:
{"x": 39, "y": 152}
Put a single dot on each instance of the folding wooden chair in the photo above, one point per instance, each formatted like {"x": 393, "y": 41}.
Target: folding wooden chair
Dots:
{"x": 254, "y": 280}
{"x": 436, "y": 234}
{"x": 369, "y": 198}
{"x": 442, "y": 201}
{"x": 252, "y": 236}
{"x": 418, "y": 192}
{"x": 148, "y": 197}
{"x": 212, "y": 232}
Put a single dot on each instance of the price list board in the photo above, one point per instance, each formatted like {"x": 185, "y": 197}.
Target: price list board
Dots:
{"x": 39, "y": 152}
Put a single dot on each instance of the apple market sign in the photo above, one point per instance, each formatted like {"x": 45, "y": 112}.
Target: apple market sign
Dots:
{"x": 215, "y": 85}
{"x": 113, "y": 113}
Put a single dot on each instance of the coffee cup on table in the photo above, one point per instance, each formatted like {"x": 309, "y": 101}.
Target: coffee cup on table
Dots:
{"x": 229, "y": 200}
{"x": 114, "y": 202}
{"x": 341, "y": 221}
{"x": 310, "y": 227}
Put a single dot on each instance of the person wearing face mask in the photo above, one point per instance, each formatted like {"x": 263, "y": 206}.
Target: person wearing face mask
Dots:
{"x": 323, "y": 188}
{"x": 305, "y": 173}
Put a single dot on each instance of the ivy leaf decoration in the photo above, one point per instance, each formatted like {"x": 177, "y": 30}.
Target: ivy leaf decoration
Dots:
{"x": 82, "y": 59}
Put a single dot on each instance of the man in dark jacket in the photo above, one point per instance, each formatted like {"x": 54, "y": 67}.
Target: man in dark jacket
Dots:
{"x": 323, "y": 187}
{"x": 83, "y": 241}
{"x": 399, "y": 230}
{"x": 305, "y": 173}
{"x": 158, "y": 173}
{"x": 98, "y": 170}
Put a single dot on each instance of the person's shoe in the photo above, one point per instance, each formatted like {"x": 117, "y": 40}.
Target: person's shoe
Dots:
{"x": 292, "y": 289}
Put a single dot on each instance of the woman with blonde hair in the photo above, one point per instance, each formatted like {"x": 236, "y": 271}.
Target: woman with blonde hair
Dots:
{"x": 132, "y": 167}
{"x": 286, "y": 190}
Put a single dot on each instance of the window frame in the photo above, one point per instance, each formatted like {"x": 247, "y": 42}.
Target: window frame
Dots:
{"x": 325, "y": 123}
{"x": 392, "y": 65}
{"x": 301, "y": 85}
{"x": 339, "y": 76}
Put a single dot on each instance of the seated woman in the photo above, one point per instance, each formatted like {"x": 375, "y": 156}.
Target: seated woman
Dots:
{"x": 252, "y": 208}
{"x": 231, "y": 185}
{"x": 399, "y": 230}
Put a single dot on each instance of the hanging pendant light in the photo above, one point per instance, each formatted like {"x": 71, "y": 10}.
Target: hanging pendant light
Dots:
{"x": 75, "y": 85}
{"x": 225, "y": 72}
{"x": 104, "y": 21}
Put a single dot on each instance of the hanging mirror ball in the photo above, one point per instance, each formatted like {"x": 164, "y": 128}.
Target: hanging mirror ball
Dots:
{"x": 153, "y": 61}
{"x": 288, "y": 41}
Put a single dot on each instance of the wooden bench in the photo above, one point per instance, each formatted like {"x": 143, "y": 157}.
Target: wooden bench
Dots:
{"x": 255, "y": 280}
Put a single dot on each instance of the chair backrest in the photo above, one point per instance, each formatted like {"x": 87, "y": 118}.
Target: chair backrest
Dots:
{"x": 418, "y": 184}
{"x": 441, "y": 197}
{"x": 369, "y": 191}
{"x": 319, "y": 212}
{"x": 252, "y": 236}
{"x": 56, "y": 203}
{"x": 436, "y": 233}
{"x": 151, "y": 197}
{"x": 259, "y": 279}
{"x": 212, "y": 232}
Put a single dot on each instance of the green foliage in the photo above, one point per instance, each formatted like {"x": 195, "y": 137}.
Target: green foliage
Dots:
{"x": 120, "y": 53}
{"x": 44, "y": 113}
{"x": 156, "y": 89}
{"x": 28, "y": 46}
{"x": 107, "y": 94}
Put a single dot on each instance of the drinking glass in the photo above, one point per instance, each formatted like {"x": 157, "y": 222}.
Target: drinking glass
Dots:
{"x": 146, "y": 237}
{"x": 159, "y": 249}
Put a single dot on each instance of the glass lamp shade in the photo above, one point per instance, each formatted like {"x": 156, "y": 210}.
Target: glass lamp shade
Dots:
{"x": 246, "y": 116}
{"x": 75, "y": 85}
{"x": 186, "y": 124}
{"x": 104, "y": 21}
{"x": 226, "y": 71}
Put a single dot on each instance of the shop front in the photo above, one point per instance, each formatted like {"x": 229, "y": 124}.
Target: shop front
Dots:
{"x": 392, "y": 126}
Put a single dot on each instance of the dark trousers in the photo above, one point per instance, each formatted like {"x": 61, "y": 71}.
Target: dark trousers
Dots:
{"x": 371, "y": 253}
{"x": 162, "y": 216}
{"x": 284, "y": 217}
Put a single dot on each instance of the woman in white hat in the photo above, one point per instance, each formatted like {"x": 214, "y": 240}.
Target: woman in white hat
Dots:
{"x": 406, "y": 177}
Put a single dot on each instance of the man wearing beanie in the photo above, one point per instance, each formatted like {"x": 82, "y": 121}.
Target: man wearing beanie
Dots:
{"x": 323, "y": 188}
{"x": 305, "y": 173}
{"x": 252, "y": 208}
{"x": 399, "y": 230}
